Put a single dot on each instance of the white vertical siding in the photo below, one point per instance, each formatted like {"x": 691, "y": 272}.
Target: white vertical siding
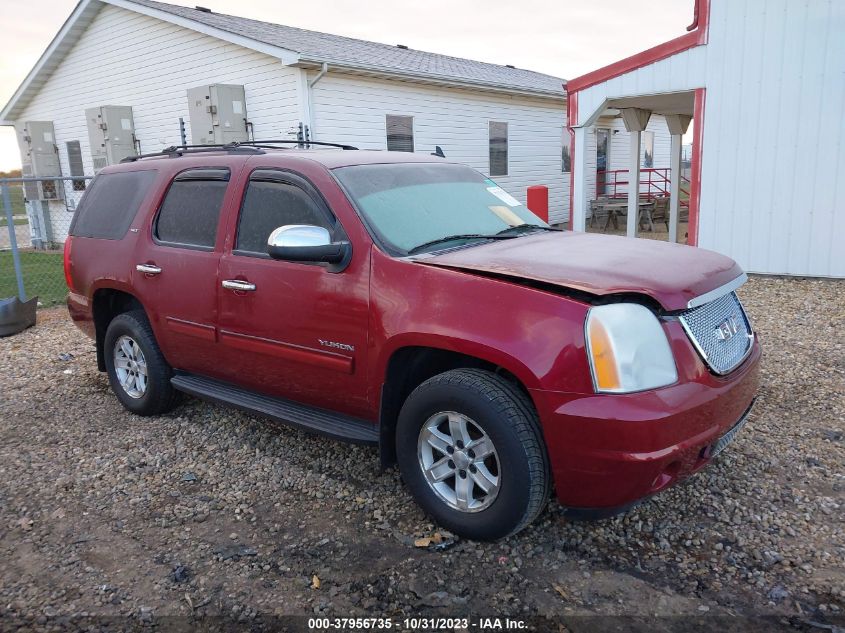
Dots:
{"x": 773, "y": 155}
{"x": 352, "y": 109}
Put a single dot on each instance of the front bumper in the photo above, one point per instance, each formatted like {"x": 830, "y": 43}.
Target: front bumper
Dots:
{"x": 608, "y": 452}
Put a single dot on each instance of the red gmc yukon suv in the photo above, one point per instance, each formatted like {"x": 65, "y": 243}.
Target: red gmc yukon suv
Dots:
{"x": 409, "y": 302}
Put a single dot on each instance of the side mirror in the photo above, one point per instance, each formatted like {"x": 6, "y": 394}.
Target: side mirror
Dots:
{"x": 306, "y": 243}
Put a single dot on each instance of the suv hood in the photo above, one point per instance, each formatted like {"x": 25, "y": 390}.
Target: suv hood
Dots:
{"x": 600, "y": 265}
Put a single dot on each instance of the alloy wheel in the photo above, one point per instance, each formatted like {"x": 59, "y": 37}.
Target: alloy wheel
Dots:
{"x": 130, "y": 367}
{"x": 459, "y": 461}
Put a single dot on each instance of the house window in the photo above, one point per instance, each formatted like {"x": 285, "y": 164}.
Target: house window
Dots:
{"x": 74, "y": 159}
{"x": 648, "y": 149}
{"x": 400, "y": 133}
{"x": 498, "y": 148}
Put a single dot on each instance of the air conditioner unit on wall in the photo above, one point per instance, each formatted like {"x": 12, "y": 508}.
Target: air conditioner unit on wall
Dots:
{"x": 111, "y": 133}
{"x": 40, "y": 159}
{"x": 218, "y": 114}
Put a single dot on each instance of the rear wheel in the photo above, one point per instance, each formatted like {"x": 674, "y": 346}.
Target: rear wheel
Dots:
{"x": 470, "y": 448}
{"x": 138, "y": 373}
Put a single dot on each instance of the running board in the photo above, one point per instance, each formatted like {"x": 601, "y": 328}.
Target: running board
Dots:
{"x": 336, "y": 425}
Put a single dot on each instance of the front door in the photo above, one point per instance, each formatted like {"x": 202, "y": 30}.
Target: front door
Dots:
{"x": 292, "y": 330}
{"x": 175, "y": 272}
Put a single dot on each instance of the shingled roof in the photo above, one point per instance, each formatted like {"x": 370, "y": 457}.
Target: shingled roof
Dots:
{"x": 361, "y": 54}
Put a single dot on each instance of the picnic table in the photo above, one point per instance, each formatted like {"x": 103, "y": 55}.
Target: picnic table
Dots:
{"x": 615, "y": 207}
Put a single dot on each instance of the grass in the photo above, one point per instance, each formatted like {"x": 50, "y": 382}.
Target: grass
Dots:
{"x": 16, "y": 195}
{"x": 16, "y": 219}
{"x": 43, "y": 275}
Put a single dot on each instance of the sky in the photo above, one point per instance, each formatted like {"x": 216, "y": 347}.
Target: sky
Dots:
{"x": 565, "y": 38}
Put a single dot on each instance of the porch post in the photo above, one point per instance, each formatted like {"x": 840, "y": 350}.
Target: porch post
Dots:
{"x": 579, "y": 181}
{"x": 635, "y": 120}
{"x": 677, "y": 124}
{"x": 674, "y": 185}
{"x": 634, "y": 184}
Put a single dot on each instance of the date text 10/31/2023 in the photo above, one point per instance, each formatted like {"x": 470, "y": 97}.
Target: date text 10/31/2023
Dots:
{"x": 416, "y": 624}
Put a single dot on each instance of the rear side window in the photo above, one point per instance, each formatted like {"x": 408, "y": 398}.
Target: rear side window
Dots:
{"x": 191, "y": 209}
{"x": 269, "y": 205}
{"x": 109, "y": 206}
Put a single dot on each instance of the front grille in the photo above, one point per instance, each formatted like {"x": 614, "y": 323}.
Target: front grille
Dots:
{"x": 720, "y": 332}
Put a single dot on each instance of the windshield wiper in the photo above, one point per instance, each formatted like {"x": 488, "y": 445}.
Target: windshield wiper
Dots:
{"x": 519, "y": 228}
{"x": 463, "y": 236}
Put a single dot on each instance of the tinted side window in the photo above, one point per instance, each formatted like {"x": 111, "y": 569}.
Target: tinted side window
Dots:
{"x": 191, "y": 209}
{"x": 269, "y": 205}
{"x": 110, "y": 204}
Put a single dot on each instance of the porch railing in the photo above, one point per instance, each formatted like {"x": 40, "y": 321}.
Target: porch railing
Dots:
{"x": 654, "y": 183}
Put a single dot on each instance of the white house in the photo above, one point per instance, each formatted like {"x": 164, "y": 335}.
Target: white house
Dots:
{"x": 762, "y": 83}
{"x": 136, "y": 67}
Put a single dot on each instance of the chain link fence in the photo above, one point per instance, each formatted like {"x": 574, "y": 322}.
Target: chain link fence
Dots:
{"x": 33, "y": 227}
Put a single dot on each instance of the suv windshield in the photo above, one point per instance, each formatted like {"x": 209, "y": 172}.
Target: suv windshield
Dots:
{"x": 415, "y": 207}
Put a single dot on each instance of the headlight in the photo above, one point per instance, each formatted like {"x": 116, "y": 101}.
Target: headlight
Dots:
{"x": 628, "y": 349}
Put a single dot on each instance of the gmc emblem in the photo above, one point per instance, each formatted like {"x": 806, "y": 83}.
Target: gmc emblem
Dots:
{"x": 727, "y": 328}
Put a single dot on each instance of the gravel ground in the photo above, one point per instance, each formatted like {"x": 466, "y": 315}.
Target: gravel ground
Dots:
{"x": 210, "y": 513}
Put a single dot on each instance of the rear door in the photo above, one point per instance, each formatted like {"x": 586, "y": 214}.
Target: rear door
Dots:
{"x": 300, "y": 330}
{"x": 176, "y": 268}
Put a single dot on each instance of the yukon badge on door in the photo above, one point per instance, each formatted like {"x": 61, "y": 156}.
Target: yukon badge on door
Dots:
{"x": 336, "y": 345}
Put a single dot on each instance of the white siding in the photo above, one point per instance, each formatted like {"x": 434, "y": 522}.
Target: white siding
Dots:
{"x": 773, "y": 156}
{"x": 352, "y": 109}
{"x": 125, "y": 58}
{"x": 620, "y": 141}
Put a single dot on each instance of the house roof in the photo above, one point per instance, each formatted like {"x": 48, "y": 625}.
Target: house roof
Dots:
{"x": 295, "y": 47}
{"x": 324, "y": 47}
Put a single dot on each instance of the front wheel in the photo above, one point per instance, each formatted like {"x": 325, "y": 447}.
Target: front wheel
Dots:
{"x": 470, "y": 449}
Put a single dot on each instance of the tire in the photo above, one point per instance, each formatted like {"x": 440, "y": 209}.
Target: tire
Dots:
{"x": 133, "y": 329}
{"x": 487, "y": 405}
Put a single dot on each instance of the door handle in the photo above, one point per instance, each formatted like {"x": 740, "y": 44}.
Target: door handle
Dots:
{"x": 148, "y": 269}
{"x": 237, "y": 284}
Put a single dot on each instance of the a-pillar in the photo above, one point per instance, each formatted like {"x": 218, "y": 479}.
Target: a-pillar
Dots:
{"x": 635, "y": 120}
{"x": 677, "y": 124}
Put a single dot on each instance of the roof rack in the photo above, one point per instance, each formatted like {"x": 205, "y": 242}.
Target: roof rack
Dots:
{"x": 175, "y": 151}
{"x": 301, "y": 143}
{"x": 248, "y": 147}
